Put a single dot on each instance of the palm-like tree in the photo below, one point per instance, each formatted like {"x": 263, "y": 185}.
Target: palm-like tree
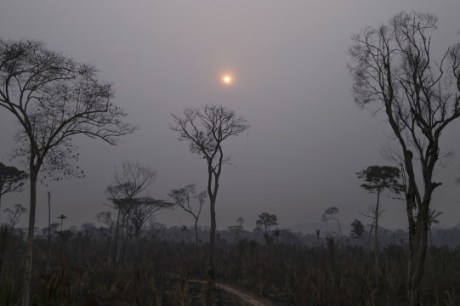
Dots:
{"x": 62, "y": 217}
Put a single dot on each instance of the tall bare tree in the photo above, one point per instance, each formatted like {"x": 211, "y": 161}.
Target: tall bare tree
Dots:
{"x": 205, "y": 130}
{"x": 53, "y": 99}
{"x": 11, "y": 180}
{"x": 184, "y": 197}
{"x": 394, "y": 69}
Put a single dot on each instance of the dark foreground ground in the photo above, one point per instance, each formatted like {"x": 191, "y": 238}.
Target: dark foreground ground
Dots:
{"x": 80, "y": 269}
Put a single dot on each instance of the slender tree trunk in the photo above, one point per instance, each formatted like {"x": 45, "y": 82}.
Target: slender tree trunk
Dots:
{"x": 376, "y": 239}
{"x": 213, "y": 185}
{"x": 196, "y": 231}
{"x": 30, "y": 238}
{"x": 49, "y": 219}
{"x": 115, "y": 248}
{"x": 212, "y": 240}
{"x": 0, "y": 206}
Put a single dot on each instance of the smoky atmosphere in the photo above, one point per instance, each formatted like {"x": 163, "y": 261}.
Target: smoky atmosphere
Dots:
{"x": 269, "y": 114}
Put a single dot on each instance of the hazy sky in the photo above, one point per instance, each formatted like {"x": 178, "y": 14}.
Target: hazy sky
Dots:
{"x": 307, "y": 138}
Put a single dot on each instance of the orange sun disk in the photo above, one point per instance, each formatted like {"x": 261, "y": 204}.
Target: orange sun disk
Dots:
{"x": 227, "y": 79}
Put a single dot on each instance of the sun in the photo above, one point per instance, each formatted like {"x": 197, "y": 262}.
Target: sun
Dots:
{"x": 227, "y": 79}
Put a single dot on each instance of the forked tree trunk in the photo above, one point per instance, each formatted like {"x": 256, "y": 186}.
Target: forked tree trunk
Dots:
{"x": 30, "y": 237}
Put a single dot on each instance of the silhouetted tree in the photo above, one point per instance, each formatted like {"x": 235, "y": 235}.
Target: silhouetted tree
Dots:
{"x": 11, "y": 180}
{"x": 62, "y": 217}
{"x": 183, "y": 197}
{"x": 394, "y": 69}
{"x": 357, "y": 229}
{"x": 14, "y": 215}
{"x": 205, "y": 130}
{"x": 240, "y": 222}
{"x": 53, "y": 99}
{"x": 127, "y": 194}
{"x": 267, "y": 221}
{"x": 329, "y": 214}
{"x": 376, "y": 180}
{"x": 129, "y": 182}
{"x": 138, "y": 210}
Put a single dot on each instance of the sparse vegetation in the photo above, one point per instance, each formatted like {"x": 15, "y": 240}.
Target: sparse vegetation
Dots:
{"x": 129, "y": 259}
{"x": 158, "y": 268}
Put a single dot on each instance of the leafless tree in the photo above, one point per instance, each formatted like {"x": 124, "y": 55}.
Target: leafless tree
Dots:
{"x": 14, "y": 215}
{"x": 53, "y": 99}
{"x": 137, "y": 211}
{"x": 205, "y": 130}
{"x": 128, "y": 195}
{"x": 183, "y": 198}
{"x": 394, "y": 69}
{"x": 329, "y": 214}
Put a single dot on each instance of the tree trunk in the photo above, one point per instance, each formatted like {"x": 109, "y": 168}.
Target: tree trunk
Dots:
{"x": 196, "y": 231}
{"x": 417, "y": 257}
{"x": 30, "y": 238}
{"x": 376, "y": 239}
{"x": 49, "y": 219}
{"x": 212, "y": 240}
{"x": 115, "y": 248}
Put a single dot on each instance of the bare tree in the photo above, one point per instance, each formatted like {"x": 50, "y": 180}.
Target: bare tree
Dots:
{"x": 377, "y": 179}
{"x": 183, "y": 197}
{"x": 137, "y": 211}
{"x": 14, "y": 215}
{"x": 11, "y": 180}
{"x": 394, "y": 69}
{"x": 329, "y": 214}
{"x": 53, "y": 99}
{"x": 205, "y": 130}
{"x": 128, "y": 195}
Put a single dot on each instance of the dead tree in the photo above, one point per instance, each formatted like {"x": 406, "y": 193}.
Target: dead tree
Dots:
{"x": 128, "y": 196}
{"x": 394, "y": 70}
{"x": 205, "y": 130}
{"x": 184, "y": 197}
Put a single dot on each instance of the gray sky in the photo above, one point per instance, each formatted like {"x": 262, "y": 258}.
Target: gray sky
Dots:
{"x": 307, "y": 137}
